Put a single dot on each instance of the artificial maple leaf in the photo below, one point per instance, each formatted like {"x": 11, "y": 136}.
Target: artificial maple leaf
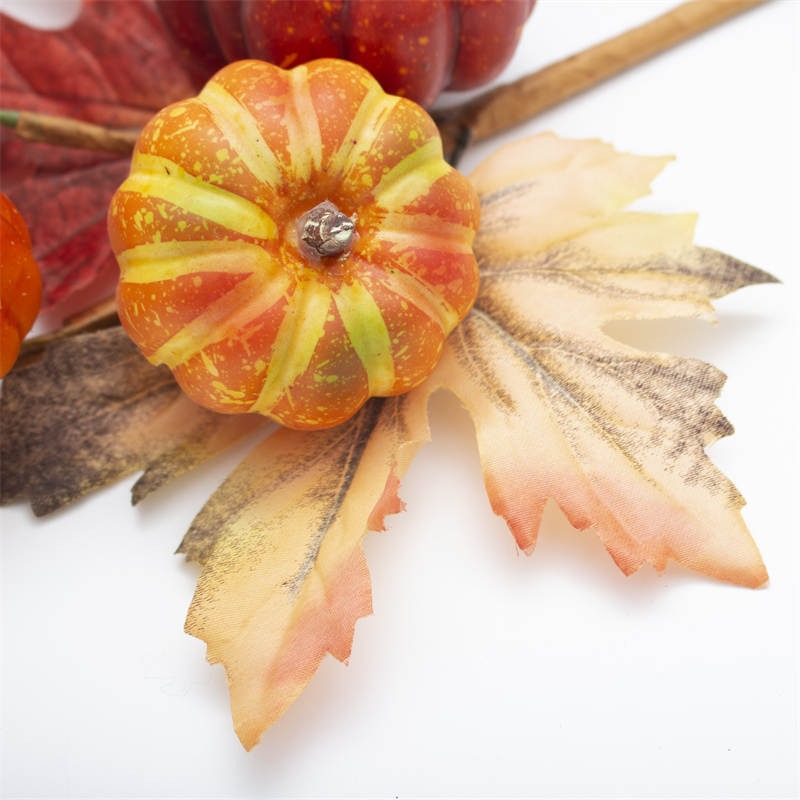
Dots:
{"x": 561, "y": 410}
{"x": 114, "y": 66}
{"x": 95, "y": 410}
{"x": 296, "y": 510}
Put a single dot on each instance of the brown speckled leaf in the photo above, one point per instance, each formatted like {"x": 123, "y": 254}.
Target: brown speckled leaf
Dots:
{"x": 284, "y": 578}
{"x": 209, "y": 435}
{"x": 95, "y": 410}
{"x": 614, "y": 435}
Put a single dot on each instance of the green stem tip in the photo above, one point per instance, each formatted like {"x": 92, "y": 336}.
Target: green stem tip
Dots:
{"x": 9, "y": 119}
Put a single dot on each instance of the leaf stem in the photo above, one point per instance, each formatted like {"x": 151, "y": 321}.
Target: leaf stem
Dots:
{"x": 100, "y": 316}
{"x": 69, "y": 132}
{"x": 492, "y": 112}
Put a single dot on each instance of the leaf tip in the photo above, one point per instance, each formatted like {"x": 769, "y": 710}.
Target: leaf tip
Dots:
{"x": 388, "y": 503}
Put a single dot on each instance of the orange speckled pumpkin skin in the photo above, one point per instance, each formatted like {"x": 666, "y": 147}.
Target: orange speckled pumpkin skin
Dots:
{"x": 215, "y": 281}
{"x": 20, "y": 284}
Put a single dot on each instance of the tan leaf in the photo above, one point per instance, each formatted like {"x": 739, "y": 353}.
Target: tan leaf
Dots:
{"x": 203, "y": 434}
{"x": 93, "y": 411}
{"x": 285, "y": 577}
{"x": 562, "y": 410}
{"x": 614, "y": 435}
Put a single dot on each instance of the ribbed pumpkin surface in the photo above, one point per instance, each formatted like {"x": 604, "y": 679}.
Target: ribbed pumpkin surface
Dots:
{"x": 216, "y": 282}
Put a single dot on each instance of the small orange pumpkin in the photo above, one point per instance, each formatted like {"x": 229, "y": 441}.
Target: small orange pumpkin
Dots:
{"x": 292, "y": 242}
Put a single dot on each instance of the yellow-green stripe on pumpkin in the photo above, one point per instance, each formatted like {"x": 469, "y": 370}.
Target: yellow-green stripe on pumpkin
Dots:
{"x": 292, "y": 242}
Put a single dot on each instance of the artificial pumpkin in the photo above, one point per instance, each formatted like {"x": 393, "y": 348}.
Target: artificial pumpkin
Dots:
{"x": 292, "y": 242}
{"x": 20, "y": 284}
{"x": 414, "y": 48}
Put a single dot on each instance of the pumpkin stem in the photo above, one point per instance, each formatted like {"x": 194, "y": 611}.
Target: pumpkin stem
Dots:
{"x": 326, "y": 230}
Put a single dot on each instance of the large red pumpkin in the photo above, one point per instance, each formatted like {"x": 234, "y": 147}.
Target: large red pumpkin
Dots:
{"x": 414, "y": 48}
{"x": 292, "y": 242}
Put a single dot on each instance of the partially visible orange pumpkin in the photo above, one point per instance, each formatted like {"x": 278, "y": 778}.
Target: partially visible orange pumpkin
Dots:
{"x": 20, "y": 284}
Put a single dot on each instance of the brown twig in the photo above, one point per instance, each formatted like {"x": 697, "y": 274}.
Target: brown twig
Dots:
{"x": 69, "y": 132}
{"x": 505, "y": 106}
{"x": 98, "y": 317}
{"x": 490, "y": 113}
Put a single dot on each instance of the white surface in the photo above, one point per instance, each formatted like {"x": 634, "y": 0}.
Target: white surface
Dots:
{"x": 483, "y": 673}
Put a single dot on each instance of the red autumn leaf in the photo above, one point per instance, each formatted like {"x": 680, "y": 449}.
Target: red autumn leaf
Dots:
{"x": 114, "y": 67}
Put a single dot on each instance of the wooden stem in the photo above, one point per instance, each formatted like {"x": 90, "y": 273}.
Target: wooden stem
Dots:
{"x": 505, "y": 106}
{"x": 490, "y": 113}
{"x": 98, "y": 317}
{"x": 69, "y": 132}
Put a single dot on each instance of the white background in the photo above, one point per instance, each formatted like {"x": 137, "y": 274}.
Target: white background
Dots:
{"x": 483, "y": 673}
